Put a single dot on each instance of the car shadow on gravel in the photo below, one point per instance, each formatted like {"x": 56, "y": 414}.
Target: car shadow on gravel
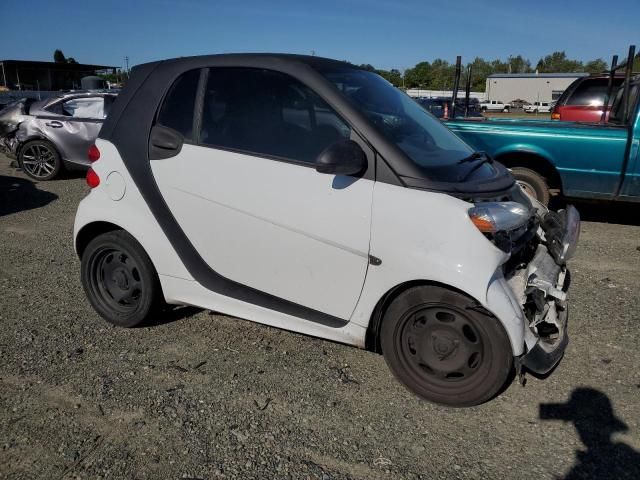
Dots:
{"x": 19, "y": 194}
{"x": 593, "y": 417}
{"x": 170, "y": 315}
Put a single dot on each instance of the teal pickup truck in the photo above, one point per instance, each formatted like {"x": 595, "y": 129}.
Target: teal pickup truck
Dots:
{"x": 598, "y": 161}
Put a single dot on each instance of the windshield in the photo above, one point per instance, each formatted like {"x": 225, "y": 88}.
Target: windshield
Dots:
{"x": 421, "y": 136}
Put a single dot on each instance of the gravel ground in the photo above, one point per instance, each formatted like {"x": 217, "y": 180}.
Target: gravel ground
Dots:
{"x": 200, "y": 395}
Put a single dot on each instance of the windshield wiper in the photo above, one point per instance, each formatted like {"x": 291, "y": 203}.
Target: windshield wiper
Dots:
{"x": 475, "y": 156}
{"x": 482, "y": 156}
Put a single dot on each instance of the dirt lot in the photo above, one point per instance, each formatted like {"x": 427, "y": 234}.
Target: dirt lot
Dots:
{"x": 205, "y": 396}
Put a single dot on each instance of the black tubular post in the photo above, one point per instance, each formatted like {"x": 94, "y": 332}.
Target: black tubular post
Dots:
{"x": 456, "y": 83}
{"x": 612, "y": 73}
{"x": 467, "y": 92}
{"x": 627, "y": 82}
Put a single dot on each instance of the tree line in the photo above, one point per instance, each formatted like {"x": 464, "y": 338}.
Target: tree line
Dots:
{"x": 439, "y": 74}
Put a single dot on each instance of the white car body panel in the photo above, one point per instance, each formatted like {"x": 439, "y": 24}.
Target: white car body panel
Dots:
{"x": 434, "y": 240}
{"x": 301, "y": 235}
{"x": 130, "y": 213}
{"x": 187, "y": 292}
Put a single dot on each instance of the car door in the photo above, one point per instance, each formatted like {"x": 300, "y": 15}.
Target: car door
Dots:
{"x": 245, "y": 192}
{"x": 74, "y": 125}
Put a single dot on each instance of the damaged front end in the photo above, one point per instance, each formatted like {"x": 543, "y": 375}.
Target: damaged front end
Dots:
{"x": 539, "y": 278}
{"x": 10, "y": 119}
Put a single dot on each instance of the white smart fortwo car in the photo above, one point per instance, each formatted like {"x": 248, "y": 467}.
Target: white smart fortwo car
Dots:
{"x": 308, "y": 194}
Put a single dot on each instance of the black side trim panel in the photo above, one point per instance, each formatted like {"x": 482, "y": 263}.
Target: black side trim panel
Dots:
{"x": 130, "y": 135}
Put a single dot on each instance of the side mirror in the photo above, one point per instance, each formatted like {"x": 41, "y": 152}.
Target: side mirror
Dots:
{"x": 344, "y": 157}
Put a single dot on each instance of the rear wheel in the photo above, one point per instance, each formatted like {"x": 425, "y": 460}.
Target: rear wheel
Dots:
{"x": 441, "y": 348}
{"x": 40, "y": 160}
{"x": 532, "y": 183}
{"x": 119, "y": 279}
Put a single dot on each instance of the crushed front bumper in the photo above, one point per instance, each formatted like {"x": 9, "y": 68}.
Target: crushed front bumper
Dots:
{"x": 9, "y": 146}
{"x": 541, "y": 287}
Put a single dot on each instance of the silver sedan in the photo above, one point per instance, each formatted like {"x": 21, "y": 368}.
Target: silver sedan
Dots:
{"x": 50, "y": 135}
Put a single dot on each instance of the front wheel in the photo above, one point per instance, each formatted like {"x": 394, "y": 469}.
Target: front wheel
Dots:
{"x": 119, "y": 279}
{"x": 442, "y": 349}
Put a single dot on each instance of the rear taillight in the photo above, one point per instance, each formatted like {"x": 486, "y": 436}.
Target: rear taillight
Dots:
{"x": 555, "y": 116}
{"x": 93, "y": 154}
{"x": 93, "y": 180}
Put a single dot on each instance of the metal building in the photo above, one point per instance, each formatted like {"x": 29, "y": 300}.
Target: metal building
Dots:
{"x": 30, "y": 75}
{"x": 532, "y": 87}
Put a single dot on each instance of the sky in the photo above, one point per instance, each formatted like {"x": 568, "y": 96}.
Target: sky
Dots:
{"x": 385, "y": 33}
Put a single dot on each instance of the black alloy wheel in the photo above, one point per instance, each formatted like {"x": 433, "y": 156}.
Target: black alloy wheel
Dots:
{"x": 442, "y": 348}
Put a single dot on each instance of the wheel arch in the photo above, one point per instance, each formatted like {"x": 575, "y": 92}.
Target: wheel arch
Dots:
{"x": 372, "y": 335}
{"x": 31, "y": 138}
{"x": 535, "y": 161}
{"x": 90, "y": 231}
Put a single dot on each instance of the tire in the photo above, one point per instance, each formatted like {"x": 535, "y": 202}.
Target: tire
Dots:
{"x": 533, "y": 183}
{"x": 442, "y": 349}
{"x": 119, "y": 279}
{"x": 483, "y": 109}
{"x": 505, "y": 110}
{"x": 40, "y": 160}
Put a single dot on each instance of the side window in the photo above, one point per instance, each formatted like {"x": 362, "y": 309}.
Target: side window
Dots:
{"x": 177, "y": 108}
{"x": 590, "y": 93}
{"x": 267, "y": 113}
{"x": 84, "y": 108}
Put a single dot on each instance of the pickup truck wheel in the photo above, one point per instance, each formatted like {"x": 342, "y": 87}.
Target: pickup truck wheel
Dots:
{"x": 532, "y": 183}
{"x": 505, "y": 109}
{"x": 442, "y": 349}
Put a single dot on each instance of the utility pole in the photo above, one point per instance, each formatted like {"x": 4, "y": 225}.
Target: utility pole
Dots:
{"x": 126, "y": 61}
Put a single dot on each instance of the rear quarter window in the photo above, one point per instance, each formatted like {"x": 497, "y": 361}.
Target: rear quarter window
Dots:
{"x": 177, "y": 108}
{"x": 591, "y": 93}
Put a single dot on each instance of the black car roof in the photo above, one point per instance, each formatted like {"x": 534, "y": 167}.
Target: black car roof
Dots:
{"x": 247, "y": 58}
{"x": 149, "y": 82}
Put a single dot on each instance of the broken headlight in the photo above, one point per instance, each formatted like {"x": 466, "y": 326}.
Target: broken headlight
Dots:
{"x": 504, "y": 223}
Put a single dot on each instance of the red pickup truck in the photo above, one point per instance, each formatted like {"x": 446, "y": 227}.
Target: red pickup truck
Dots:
{"x": 583, "y": 100}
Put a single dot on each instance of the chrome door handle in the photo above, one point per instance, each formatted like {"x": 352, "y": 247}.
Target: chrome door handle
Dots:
{"x": 54, "y": 124}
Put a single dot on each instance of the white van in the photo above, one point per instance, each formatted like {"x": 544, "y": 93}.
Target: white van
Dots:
{"x": 308, "y": 194}
{"x": 538, "y": 107}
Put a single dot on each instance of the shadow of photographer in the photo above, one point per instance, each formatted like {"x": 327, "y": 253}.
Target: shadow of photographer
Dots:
{"x": 591, "y": 413}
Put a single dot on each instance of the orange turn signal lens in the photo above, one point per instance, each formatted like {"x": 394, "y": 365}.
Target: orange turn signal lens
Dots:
{"x": 483, "y": 224}
{"x": 555, "y": 116}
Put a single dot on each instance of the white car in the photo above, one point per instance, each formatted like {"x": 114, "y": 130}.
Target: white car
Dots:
{"x": 538, "y": 107}
{"x": 494, "y": 106}
{"x": 308, "y": 194}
